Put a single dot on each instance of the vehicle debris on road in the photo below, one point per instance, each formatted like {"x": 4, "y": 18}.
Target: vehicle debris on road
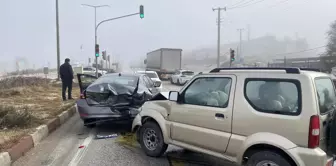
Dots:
{"x": 106, "y": 136}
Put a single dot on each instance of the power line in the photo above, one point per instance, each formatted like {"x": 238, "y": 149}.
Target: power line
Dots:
{"x": 278, "y": 3}
{"x": 238, "y": 3}
{"x": 311, "y": 49}
{"x": 243, "y": 5}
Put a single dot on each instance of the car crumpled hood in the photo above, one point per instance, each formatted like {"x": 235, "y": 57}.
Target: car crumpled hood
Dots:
{"x": 116, "y": 95}
{"x": 159, "y": 103}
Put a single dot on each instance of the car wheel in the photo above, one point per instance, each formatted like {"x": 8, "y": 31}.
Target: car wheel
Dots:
{"x": 99, "y": 74}
{"x": 267, "y": 158}
{"x": 171, "y": 81}
{"x": 178, "y": 82}
{"x": 151, "y": 140}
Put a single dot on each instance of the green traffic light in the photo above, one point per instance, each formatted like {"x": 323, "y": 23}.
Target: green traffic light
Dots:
{"x": 97, "y": 55}
{"x": 232, "y": 59}
{"x": 142, "y": 14}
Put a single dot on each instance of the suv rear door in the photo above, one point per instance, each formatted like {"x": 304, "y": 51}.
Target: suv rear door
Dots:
{"x": 326, "y": 102}
{"x": 202, "y": 115}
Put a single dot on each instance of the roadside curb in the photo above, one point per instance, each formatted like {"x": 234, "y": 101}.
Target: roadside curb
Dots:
{"x": 29, "y": 141}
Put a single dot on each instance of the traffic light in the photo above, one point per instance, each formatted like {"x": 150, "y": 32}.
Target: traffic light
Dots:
{"x": 104, "y": 55}
{"x": 97, "y": 50}
{"x": 142, "y": 15}
{"x": 232, "y": 55}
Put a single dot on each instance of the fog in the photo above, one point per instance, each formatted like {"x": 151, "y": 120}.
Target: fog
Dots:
{"x": 28, "y": 31}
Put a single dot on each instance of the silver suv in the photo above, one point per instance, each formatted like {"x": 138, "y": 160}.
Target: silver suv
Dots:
{"x": 250, "y": 116}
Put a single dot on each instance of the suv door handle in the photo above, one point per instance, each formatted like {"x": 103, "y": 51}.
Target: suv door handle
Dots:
{"x": 219, "y": 115}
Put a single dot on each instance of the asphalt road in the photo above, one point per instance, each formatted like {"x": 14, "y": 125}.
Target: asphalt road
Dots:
{"x": 75, "y": 145}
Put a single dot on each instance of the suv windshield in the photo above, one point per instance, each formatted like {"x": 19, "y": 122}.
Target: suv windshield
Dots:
{"x": 187, "y": 73}
{"x": 325, "y": 93}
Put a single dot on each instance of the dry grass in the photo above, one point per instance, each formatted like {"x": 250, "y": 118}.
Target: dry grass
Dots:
{"x": 128, "y": 139}
{"x": 25, "y": 103}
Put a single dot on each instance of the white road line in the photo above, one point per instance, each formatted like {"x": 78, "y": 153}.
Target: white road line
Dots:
{"x": 82, "y": 151}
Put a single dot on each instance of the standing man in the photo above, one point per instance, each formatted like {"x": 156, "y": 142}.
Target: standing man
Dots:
{"x": 66, "y": 74}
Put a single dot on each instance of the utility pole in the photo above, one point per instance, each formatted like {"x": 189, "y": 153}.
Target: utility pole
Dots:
{"x": 109, "y": 60}
{"x": 95, "y": 24}
{"x": 218, "y": 33}
{"x": 248, "y": 32}
{"x": 57, "y": 43}
{"x": 285, "y": 61}
{"x": 240, "y": 44}
{"x": 106, "y": 61}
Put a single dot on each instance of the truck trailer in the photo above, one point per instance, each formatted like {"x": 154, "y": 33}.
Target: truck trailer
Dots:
{"x": 165, "y": 61}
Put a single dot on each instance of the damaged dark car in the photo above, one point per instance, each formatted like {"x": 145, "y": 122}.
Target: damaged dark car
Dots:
{"x": 113, "y": 97}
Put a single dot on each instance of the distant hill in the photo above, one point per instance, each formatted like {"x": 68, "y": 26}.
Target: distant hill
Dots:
{"x": 263, "y": 48}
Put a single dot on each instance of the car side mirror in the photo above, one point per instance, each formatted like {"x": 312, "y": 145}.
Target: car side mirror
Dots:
{"x": 157, "y": 84}
{"x": 173, "y": 95}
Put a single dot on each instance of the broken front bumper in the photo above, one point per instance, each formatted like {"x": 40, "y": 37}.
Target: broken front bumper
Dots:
{"x": 136, "y": 122}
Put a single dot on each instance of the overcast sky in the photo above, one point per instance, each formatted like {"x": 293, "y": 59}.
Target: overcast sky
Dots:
{"x": 28, "y": 26}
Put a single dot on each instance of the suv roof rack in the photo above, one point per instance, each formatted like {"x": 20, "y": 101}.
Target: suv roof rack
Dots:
{"x": 291, "y": 70}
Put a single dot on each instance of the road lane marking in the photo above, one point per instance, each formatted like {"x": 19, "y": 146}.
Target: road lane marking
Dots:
{"x": 82, "y": 151}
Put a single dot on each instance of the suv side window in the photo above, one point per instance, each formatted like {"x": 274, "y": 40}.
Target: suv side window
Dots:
{"x": 214, "y": 91}
{"x": 278, "y": 96}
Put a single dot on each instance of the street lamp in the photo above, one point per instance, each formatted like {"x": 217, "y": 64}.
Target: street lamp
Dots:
{"x": 95, "y": 24}
{"x": 141, "y": 13}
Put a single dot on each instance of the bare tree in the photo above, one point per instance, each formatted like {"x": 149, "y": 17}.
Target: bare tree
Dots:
{"x": 329, "y": 57}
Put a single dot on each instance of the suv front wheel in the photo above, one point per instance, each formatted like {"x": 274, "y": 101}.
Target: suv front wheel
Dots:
{"x": 267, "y": 158}
{"x": 151, "y": 140}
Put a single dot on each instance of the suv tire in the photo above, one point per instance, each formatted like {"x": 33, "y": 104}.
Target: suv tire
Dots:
{"x": 151, "y": 140}
{"x": 259, "y": 157}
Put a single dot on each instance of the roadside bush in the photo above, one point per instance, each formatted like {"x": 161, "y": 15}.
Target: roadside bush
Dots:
{"x": 13, "y": 82}
{"x": 11, "y": 117}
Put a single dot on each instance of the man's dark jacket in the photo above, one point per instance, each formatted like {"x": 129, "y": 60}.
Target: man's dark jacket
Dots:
{"x": 66, "y": 72}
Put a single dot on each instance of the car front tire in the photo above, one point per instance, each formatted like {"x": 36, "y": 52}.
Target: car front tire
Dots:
{"x": 261, "y": 158}
{"x": 151, "y": 140}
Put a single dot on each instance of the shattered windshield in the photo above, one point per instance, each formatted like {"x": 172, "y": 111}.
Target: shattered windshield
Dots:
{"x": 117, "y": 91}
{"x": 116, "y": 79}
